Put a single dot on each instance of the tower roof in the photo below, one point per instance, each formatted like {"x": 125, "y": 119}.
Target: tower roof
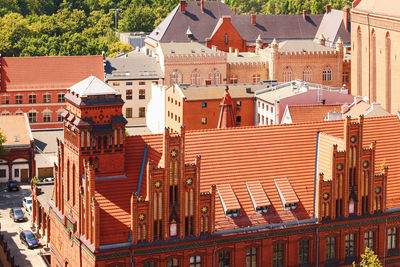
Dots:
{"x": 92, "y": 86}
{"x": 226, "y": 118}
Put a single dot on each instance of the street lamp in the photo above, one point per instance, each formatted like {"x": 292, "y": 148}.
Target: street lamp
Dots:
{"x": 116, "y": 10}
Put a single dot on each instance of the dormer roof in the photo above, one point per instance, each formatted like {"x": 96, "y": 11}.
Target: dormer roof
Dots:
{"x": 92, "y": 86}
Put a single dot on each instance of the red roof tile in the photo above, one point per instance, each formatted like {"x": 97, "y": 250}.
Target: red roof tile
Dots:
{"x": 310, "y": 113}
{"x": 27, "y": 73}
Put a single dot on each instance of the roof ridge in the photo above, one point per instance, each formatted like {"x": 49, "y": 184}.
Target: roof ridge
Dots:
{"x": 34, "y": 57}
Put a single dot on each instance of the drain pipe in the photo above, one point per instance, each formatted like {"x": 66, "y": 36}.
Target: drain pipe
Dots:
{"x": 317, "y": 237}
{"x": 215, "y": 249}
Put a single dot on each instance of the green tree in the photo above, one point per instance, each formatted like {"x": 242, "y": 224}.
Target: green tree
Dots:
{"x": 137, "y": 18}
{"x": 369, "y": 259}
{"x": 115, "y": 48}
{"x": 3, "y": 139}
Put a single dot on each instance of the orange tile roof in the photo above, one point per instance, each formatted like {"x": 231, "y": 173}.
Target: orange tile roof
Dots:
{"x": 227, "y": 197}
{"x": 247, "y": 157}
{"x": 29, "y": 73}
{"x": 16, "y": 129}
{"x": 285, "y": 190}
{"x": 257, "y": 194}
{"x": 310, "y": 113}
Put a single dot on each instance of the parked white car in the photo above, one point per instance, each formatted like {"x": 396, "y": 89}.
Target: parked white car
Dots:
{"x": 27, "y": 204}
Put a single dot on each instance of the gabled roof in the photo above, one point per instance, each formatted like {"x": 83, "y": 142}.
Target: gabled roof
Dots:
{"x": 136, "y": 66}
{"x": 310, "y": 113}
{"x": 380, "y": 7}
{"x": 332, "y": 27}
{"x": 247, "y": 157}
{"x": 365, "y": 109}
{"x": 175, "y": 25}
{"x": 17, "y": 130}
{"x": 92, "y": 86}
{"x": 45, "y": 73}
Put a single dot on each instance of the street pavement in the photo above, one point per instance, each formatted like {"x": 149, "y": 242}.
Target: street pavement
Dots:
{"x": 24, "y": 257}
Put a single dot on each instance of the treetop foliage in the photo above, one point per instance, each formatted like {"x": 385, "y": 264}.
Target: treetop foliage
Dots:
{"x": 86, "y": 27}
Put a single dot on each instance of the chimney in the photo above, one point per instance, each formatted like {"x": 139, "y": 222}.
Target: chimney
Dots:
{"x": 328, "y": 8}
{"x": 253, "y": 19}
{"x": 214, "y": 48}
{"x": 304, "y": 14}
{"x": 234, "y": 10}
{"x": 237, "y": 52}
{"x": 346, "y": 17}
{"x": 226, "y": 19}
{"x": 183, "y": 5}
{"x": 202, "y": 5}
{"x": 230, "y": 49}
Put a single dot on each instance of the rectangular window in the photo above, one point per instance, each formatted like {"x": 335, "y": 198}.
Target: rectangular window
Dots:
{"x": 278, "y": 255}
{"x": 128, "y": 112}
{"x": 204, "y": 105}
{"x": 369, "y": 239}
{"x": 224, "y": 259}
{"x": 349, "y": 245}
{"x": 115, "y": 83}
{"x": 330, "y": 249}
{"x": 392, "y": 238}
{"x": 32, "y": 99}
{"x": 61, "y": 98}
{"x": 46, "y": 98}
{"x": 203, "y": 120}
{"x": 251, "y": 257}
{"x": 16, "y": 173}
{"x": 5, "y": 100}
{"x": 345, "y": 77}
{"x": 46, "y": 117}
{"x": 128, "y": 83}
{"x": 142, "y": 83}
{"x": 238, "y": 119}
{"x": 2, "y": 173}
{"x": 238, "y": 103}
{"x": 142, "y": 112}
{"x": 142, "y": 94}
{"x": 195, "y": 261}
{"x": 226, "y": 38}
{"x": 32, "y": 117}
{"x": 128, "y": 94}
{"x": 304, "y": 251}
{"x": 18, "y": 99}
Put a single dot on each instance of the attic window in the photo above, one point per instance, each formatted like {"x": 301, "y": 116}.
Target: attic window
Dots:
{"x": 286, "y": 193}
{"x": 229, "y": 201}
{"x": 258, "y": 196}
{"x": 16, "y": 139}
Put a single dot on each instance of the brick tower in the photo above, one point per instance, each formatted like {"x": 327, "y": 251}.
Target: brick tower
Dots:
{"x": 226, "y": 117}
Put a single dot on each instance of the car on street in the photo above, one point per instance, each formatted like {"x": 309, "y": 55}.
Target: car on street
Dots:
{"x": 12, "y": 185}
{"x": 17, "y": 214}
{"x": 29, "y": 239}
{"x": 27, "y": 204}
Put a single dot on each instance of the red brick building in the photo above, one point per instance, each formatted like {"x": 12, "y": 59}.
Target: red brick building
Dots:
{"x": 285, "y": 195}
{"x": 36, "y": 85}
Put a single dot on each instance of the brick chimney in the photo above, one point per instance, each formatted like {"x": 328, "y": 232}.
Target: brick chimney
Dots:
{"x": 253, "y": 19}
{"x": 346, "y": 17}
{"x": 202, "y": 5}
{"x": 304, "y": 14}
{"x": 234, "y": 10}
{"x": 183, "y": 5}
{"x": 328, "y": 8}
{"x": 226, "y": 19}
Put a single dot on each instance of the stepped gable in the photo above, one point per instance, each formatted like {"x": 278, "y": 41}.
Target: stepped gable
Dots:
{"x": 27, "y": 73}
{"x": 289, "y": 153}
{"x": 174, "y": 27}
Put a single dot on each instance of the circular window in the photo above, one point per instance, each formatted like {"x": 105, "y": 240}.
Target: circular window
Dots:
{"x": 189, "y": 181}
{"x": 353, "y": 139}
{"x": 204, "y": 209}
{"x": 157, "y": 184}
{"x": 174, "y": 153}
{"x": 339, "y": 166}
{"x": 326, "y": 196}
{"x": 366, "y": 164}
{"x": 378, "y": 190}
{"x": 142, "y": 217}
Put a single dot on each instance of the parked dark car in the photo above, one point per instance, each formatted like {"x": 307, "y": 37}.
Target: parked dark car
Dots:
{"x": 29, "y": 239}
{"x": 12, "y": 186}
{"x": 17, "y": 214}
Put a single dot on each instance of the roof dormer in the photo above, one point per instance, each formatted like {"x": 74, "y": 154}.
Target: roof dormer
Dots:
{"x": 258, "y": 196}
{"x": 229, "y": 201}
{"x": 286, "y": 193}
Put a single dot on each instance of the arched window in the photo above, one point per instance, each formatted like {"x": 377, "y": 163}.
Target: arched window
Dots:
{"x": 176, "y": 77}
{"x": 195, "y": 78}
{"x": 307, "y": 74}
{"x": 359, "y": 62}
{"x": 327, "y": 74}
{"x": 73, "y": 184}
{"x": 215, "y": 77}
{"x": 287, "y": 74}
{"x": 174, "y": 262}
{"x": 373, "y": 67}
